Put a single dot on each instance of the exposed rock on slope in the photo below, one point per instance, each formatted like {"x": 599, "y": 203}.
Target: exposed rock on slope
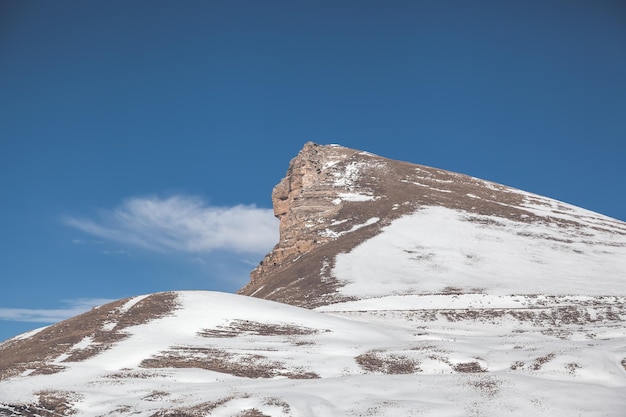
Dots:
{"x": 334, "y": 198}
{"x": 304, "y": 201}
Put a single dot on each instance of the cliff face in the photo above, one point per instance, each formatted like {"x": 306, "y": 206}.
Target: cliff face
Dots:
{"x": 331, "y": 199}
{"x": 304, "y": 202}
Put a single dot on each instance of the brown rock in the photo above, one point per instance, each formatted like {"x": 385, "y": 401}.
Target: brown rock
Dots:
{"x": 303, "y": 202}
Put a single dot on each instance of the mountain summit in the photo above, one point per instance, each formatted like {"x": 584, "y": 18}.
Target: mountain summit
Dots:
{"x": 395, "y": 289}
{"x": 355, "y": 225}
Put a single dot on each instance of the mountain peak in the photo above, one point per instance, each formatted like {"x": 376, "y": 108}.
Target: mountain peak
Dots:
{"x": 333, "y": 199}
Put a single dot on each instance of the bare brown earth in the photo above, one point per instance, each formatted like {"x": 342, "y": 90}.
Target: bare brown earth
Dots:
{"x": 298, "y": 270}
{"x": 377, "y": 361}
{"x": 246, "y": 327}
{"x": 249, "y": 365}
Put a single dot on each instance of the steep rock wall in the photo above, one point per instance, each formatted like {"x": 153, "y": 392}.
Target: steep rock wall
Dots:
{"x": 305, "y": 202}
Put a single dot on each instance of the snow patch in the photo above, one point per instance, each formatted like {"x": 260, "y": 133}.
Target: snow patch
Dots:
{"x": 84, "y": 343}
{"x": 332, "y": 234}
{"x": 259, "y": 289}
{"x": 351, "y": 173}
{"x": 27, "y": 334}
{"x": 353, "y": 197}
{"x": 130, "y": 303}
{"x": 108, "y": 326}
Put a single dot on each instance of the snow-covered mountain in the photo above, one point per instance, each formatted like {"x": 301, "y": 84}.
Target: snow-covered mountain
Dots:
{"x": 395, "y": 290}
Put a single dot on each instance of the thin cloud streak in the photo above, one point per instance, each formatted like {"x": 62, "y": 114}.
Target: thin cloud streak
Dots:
{"x": 53, "y": 315}
{"x": 184, "y": 224}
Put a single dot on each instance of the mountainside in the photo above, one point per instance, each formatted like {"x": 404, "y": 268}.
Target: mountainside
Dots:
{"x": 423, "y": 230}
{"x": 395, "y": 289}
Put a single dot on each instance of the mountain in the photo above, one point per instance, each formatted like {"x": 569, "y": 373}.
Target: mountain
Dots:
{"x": 355, "y": 226}
{"x": 395, "y": 289}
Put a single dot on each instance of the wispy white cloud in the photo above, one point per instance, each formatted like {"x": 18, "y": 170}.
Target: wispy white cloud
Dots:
{"x": 40, "y": 315}
{"x": 115, "y": 252}
{"x": 184, "y": 224}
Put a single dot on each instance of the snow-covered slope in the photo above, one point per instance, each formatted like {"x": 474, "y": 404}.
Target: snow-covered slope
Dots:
{"x": 227, "y": 355}
{"x": 438, "y": 248}
{"x": 428, "y": 293}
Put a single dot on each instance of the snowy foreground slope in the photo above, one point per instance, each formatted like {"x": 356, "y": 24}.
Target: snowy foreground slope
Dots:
{"x": 428, "y": 293}
{"x": 226, "y": 355}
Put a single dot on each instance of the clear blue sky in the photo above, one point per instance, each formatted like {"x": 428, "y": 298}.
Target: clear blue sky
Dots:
{"x": 140, "y": 140}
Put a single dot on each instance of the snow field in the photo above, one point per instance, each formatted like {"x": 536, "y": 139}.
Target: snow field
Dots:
{"x": 414, "y": 256}
{"x": 554, "y": 376}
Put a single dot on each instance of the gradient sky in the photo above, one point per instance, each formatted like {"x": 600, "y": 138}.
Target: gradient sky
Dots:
{"x": 140, "y": 140}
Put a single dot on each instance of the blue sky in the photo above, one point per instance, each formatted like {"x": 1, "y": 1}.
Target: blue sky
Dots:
{"x": 140, "y": 141}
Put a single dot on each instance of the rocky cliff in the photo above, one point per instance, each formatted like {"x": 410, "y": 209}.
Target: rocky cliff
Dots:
{"x": 304, "y": 202}
{"x": 320, "y": 204}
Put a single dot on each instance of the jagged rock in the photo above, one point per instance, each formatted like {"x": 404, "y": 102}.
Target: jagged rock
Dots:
{"x": 318, "y": 202}
{"x": 304, "y": 202}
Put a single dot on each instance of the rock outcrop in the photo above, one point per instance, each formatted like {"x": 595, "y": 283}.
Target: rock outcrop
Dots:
{"x": 328, "y": 193}
{"x": 304, "y": 202}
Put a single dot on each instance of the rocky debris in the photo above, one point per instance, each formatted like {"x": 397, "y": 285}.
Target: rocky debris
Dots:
{"x": 248, "y": 365}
